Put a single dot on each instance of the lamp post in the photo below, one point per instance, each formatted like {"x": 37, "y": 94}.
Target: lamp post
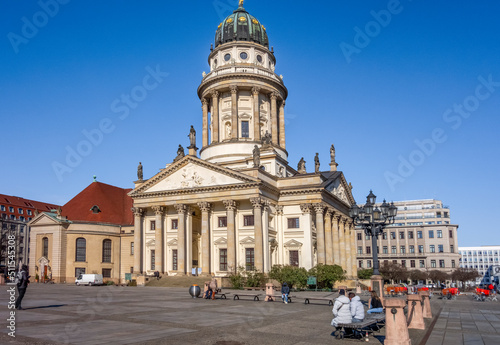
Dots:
{"x": 373, "y": 220}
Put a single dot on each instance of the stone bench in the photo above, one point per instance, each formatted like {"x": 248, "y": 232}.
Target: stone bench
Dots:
{"x": 308, "y": 299}
{"x": 238, "y": 295}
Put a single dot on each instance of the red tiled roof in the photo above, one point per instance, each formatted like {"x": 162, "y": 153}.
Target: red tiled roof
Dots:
{"x": 25, "y": 205}
{"x": 113, "y": 202}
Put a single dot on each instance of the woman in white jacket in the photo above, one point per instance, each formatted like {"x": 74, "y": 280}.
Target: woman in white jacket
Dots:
{"x": 357, "y": 309}
{"x": 341, "y": 310}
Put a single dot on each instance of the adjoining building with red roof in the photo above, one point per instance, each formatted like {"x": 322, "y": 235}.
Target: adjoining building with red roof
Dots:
{"x": 15, "y": 213}
{"x": 91, "y": 233}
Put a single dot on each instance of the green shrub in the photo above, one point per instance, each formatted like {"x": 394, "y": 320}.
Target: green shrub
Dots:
{"x": 255, "y": 279}
{"x": 327, "y": 275}
{"x": 294, "y": 276}
{"x": 237, "y": 279}
{"x": 132, "y": 283}
{"x": 109, "y": 282}
{"x": 365, "y": 273}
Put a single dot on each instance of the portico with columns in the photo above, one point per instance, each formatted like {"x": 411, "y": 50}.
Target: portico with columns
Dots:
{"x": 240, "y": 203}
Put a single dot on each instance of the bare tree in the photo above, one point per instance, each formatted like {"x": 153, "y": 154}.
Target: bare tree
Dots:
{"x": 394, "y": 272}
{"x": 417, "y": 275}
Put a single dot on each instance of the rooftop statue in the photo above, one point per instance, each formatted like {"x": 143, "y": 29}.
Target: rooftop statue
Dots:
{"x": 316, "y": 163}
{"x": 139, "y": 172}
{"x": 256, "y": 157}
{"x": 192, "y": 138}
{"x": 301, "y": 167}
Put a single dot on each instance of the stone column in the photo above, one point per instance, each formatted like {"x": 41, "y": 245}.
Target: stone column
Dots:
{"x": 354, "y": 254}
{"x": 215, "y": 117}
{"x": 181, "y": 238}
{"x": 320, "y": 233}
{"x": 265, "y": 236}
{"x": 336, "y": 240}
{"x": 234, "y": 112}
{"x": 257, "y": 222}
{"x": 343, "y": 258}
{"x": 205, "y": 237}
{"x": 231, "y": 235}
{"x": 189, "y": 239}
{"x": 138, "y": 212}
{"x": 205, "y": 122}
{"x": 308, "y": 250}
{"x": 282, "y": 124}
{"x": 256, "y": 114}
{"x": 348, "y": 254}
{"x": 159, "y": 249}
{"x": 328, "y": 237}
{"x": 396, "y": 330}
{"x": 274, "y": 118}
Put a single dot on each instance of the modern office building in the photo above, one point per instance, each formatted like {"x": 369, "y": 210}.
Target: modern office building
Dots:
{"x": 484, "y": 259}
{"x": 15, "y": 213}
{"x": 422, "y": 237}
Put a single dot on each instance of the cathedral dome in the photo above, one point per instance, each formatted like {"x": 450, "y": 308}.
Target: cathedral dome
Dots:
{"x": 241, "y": 26}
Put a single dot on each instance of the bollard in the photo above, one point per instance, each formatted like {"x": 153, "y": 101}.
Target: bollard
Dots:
{"x": 378, "y": 286}
{"x": 396, "y": 331}
{"x": 358, "y": 290}
{"x": 427, "y": 312}
{"x": 269, "y": 292}
{"x": 415, "y": 318}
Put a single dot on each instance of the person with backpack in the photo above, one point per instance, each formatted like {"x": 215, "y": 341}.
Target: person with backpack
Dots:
{"x": 285, "y": 290}
{"x": 341, "y": 309}
{"x": 22, "y": 284}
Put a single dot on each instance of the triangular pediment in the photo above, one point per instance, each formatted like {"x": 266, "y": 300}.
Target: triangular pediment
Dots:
{"x": 150, "y": 243}
{"x": 339, "y": 187}
{"x": 247, "y": 240}
{"x": 191, "y": 173}
{"x": 46, "y": 218}
{"x": 293, "y": 243}
{"x": 172, "y": 243}
{"x": 220, "y": 241}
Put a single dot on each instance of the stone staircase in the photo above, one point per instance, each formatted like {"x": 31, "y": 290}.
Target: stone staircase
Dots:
{"x": 177, "y": 281}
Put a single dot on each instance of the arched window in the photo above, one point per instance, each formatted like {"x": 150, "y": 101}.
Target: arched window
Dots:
{"x": 45, "y": 247}
{"x": 81, "y": 249}
{"x": 106, "y": 251}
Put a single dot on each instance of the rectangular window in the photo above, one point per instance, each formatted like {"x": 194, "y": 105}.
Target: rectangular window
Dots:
{"x": 248, "y": 221}
{"x": 452, "y": 248}
{"x": 384, "y": 250}
{"x": 30, "y": 213}
{"x": 368, "y": 263}
{"x": 175, "y": 224}
{"x": 11, "y": 209}
{"x": 106, "y": 272}
{"x": 452, "y": 263}
{"x": 412, "y": 249}
{"x": 20, "y": 210}
{"x": 403, "y": 263}
{"x": 402, "y": 250}
{"x": 222, "y": 222}
{"x": 367, "y": 237}
{"x": 401, "y": 235}
{"x": 393, "y": 250}
{"x": 441, "y": 263}
{"x": 131, "y": 248}
{"x": 410, "y": 235}
{"x": 422, "y": 263}
{"x": 244, "y": 129}
{"x": 360, "y": 250}
{"x": 360, "y": 263}
{"x": 152, "y": 225}
{"x": 433, "y": 263}
{"x": 420, "y": 249}
{"x": 131, "y": 270}
{"x": 249, "y": 259}
{"x": 293, "y": 223}
{"x": 384, "y": 235}
{"x": 412, "y": 263}
{"x": 368, "y": 250}
{"x": 174, "y": 259}
{"x": 419, "y": 234}
{"x": 294, "y": 258}
{"x": 393, "y": 235}
{"x": 3, "y": 208}
{"x": 439, "y": 233}
{"x": 359, "y": 236}
{"x": 223, "y": 259}
{"x": 440, "y": 248}
{"x": 394, "y": 261}
{"x": 432, "y": 248}
{"x": 153, "y": 260}
{"x": 79, "y": 270}
{"x": 450, "y": 233}
{"x": 106, "y": 251}
{"x": 431, "y": 233}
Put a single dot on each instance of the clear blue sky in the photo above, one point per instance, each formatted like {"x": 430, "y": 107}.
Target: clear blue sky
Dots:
{"x": 415, "y": 77}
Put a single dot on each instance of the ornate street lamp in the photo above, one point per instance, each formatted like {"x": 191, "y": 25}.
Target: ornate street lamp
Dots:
{"x": 373, "y": 220}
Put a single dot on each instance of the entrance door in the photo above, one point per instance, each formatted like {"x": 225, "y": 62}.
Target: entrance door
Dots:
{"x": 44, "y": 273}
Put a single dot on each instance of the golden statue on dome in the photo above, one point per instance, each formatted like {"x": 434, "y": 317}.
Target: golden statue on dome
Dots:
{"x": 241, "y": 3}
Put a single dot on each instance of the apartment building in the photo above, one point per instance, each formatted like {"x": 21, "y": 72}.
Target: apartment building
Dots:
{"x": 485, "y": 259}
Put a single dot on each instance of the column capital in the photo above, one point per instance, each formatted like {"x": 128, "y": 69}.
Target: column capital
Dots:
{"x": 138, "y": 212}
{"x": 255, "y": 90}
{"x": 204, "y": 102}
{"x": 205, "y": 206}
{"x": 319, "y": 208}
{"x": 181, "y": 208}
{"x": 279, "y": 210}
{"x": 230, "y": 204}
{"x": 305, "y": 208}
{"x": 158, "y": 210}
{"x": 256, "y": 202}
{"x": 335, "y": 217}
{"x": 343, "y": 219}
{"x": 274, "y": 95}
{"x": 329, "y": 212}
{"x": 215, "y": 94}
{"x": 233, "y": 88}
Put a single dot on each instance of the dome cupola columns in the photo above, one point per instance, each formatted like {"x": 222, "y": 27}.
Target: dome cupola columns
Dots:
{"x": 242, "y": 97}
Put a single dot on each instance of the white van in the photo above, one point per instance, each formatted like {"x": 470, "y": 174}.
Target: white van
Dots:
{"x": 89, "y": 279}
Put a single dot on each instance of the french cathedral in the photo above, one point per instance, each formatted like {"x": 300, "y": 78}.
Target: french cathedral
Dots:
{"x": 235, "y": 201}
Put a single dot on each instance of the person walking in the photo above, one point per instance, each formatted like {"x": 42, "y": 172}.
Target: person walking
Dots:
{"x": 22, "y": 285}
{"x": 285, "y": 290}
{"x": 341, "y": 310}
{"x": 213, "y": 287}
{"x": 357, "y": 309}
{"x": 375, "y": 304}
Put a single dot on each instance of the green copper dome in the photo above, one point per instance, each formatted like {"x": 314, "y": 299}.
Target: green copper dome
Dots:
{"x": 241, "y": 26}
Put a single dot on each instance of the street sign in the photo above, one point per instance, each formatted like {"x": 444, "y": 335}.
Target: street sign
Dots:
{"x": 311, "y": 281}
